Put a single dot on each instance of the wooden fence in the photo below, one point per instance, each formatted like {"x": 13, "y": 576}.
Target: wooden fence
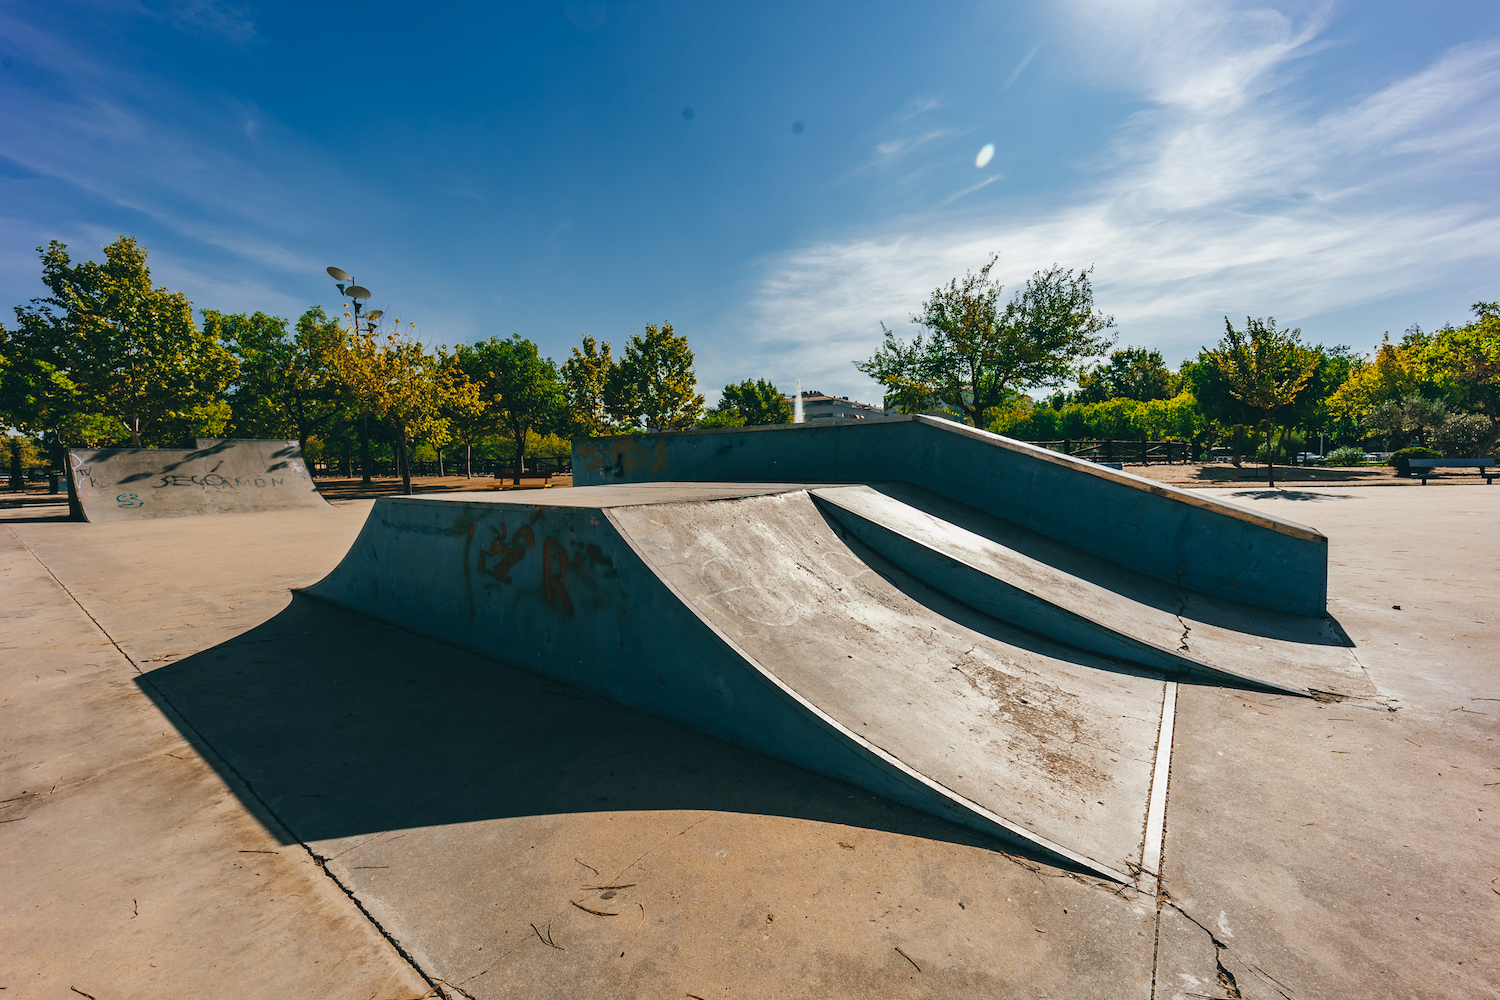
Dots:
{"x": 1128, "y": 452}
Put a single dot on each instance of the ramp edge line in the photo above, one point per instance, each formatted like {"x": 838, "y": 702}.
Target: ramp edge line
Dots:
{"x": 1156, "y": 812}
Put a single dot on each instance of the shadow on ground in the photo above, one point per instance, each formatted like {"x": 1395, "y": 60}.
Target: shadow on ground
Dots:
{"x": 343, "y": 725}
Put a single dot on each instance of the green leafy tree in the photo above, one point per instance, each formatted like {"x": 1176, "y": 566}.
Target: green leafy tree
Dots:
{"x": 524, "y": 390}
{"x": 1266, "y": 369}
{"x": 654, "y": 385}
{"x": 976, "y": 356}
{"x": 286, "y": 381}
{"x": 131, "y": 350}
{"x": 756, "y": 402}
{"x": 470, "y": 409}
{"x": 585, "y": 377}
{"x": 1130, "y": 373}
{"x": 1467, "y": 359}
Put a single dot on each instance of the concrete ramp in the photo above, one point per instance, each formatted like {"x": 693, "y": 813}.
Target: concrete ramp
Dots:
{"x": 1057, "y": 590}
{"x": 1192, "y": 541}
{"x": 219, "y": 477}
{"x": 748, "y": 613}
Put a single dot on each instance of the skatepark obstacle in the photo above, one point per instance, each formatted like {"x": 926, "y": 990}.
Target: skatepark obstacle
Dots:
{"x": 1198, "y": 543}
{"x": 231, "y": 476}
{"x": 884, "y": 635}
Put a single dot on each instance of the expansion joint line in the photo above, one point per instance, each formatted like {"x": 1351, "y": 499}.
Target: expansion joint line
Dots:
{"x": 1156, "y": 818}
{"x": 179, "y": 720}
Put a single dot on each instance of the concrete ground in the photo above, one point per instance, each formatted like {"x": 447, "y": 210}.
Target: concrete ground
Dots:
{"x": 215, "y": 789}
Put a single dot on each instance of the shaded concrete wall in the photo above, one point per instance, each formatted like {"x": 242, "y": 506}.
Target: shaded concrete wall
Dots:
{"x": 223, "y": 477}
{"x": 1175, "y": 535}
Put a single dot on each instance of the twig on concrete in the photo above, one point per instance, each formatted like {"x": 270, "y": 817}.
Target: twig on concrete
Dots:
{"x": 904, "y": 955}
{"x": 547, "y": 940}
{"x": 259, "y": 852}
{"x": 597, "y": 913}
{"x": 588, "y": 866}
{"x": 135, "y": 908}
{"x": 81, "y": 993}
{"x": 627, "y": 885}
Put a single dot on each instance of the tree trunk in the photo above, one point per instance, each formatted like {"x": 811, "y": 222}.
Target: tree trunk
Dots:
{"x": 364, "y": 448}
{"x": 404, "y": 460}
{"x": 440, "y": 463}
{"x": 135, "y": 432}
{"x": 17, "y": 476}
{"x": 468, "y": 460}
{"x": 520, "y": 456}
{"x": 1270, "y": 459}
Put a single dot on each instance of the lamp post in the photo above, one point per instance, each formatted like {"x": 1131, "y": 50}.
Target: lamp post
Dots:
{"x": 359, "y": 294}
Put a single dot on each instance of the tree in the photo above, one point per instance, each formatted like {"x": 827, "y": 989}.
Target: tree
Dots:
{"x": 757, "y": 403}
{"x": 1467, "y": 358}
{"x": 524, "y": 389}
{"x": 469, "y": 410}
{"x": 286, "y": 382}
{"x": 1397, "y": 372}
{"x": 585, "y": 377}
{"x": 1266, "y": 369}
{"x": 977, "y": 356}
{"x": 1131, "y": 373}
{"x": 654, "y": 384}
{"x": 395, "y": 378}
{"x": 131, "y": 349}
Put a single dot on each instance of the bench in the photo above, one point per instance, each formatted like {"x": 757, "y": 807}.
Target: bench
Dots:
{"x": 1423, "y": 467}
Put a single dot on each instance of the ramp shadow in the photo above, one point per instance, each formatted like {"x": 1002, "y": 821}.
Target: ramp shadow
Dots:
{"x": 344, "y": 725}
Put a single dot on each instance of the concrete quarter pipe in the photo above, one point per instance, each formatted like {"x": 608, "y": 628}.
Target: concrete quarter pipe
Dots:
{"x": 797, "y": 621}
{"x": 217, "y": 477}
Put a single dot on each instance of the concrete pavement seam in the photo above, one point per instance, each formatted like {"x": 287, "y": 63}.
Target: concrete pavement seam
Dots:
{"x": 285, "y": 833}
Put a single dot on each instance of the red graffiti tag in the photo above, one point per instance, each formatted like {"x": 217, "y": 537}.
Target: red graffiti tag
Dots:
{"x": 506, "y": 556}
{"x": 554, "y": 584}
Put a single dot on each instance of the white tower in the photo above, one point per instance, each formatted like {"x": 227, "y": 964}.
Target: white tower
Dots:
{"x": 797, "y": 404}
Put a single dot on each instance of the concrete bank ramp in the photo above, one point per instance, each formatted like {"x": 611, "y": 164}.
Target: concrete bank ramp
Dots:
{"x": 1042, "y": 585}
{"x": 1179, "y": 536}
{"x": 748, "y": 613}
{"x": 218, "y": 477}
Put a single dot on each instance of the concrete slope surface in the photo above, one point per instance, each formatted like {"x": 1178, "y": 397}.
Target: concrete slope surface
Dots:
{"x": 741, "y": 612}
{"x": 219, "y": 477}
{"x": 1054, "y": 589}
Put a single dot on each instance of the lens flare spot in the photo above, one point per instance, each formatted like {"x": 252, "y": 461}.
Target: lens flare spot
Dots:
{"x": 985, "y": 155}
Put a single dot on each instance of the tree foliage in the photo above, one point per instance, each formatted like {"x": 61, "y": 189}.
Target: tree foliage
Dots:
{"x": 975, "y": 355}
{"x": 1266, "y": 369}
{"x": 130, "y": 350}
{"x": 1130, "y": 373}
{"x": 523, "y": 388}
{"x": 755, "y": 403}
{"x": 653, "y": 386}
{"x": 585, "y": 377}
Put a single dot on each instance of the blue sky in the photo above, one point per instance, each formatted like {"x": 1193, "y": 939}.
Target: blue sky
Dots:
{"x": 775, "y": 180}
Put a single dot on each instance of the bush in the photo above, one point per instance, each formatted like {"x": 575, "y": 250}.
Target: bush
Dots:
{"x": 1346, "y": 456}
{"x": 1402, "y": 459}
{"x": 1461, "y": 434}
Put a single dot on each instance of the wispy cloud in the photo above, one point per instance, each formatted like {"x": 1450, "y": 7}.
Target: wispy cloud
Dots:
{"x": 1021, "y": 66}
{"x": 969, "y": 190}
{"x": 1228, "y": 196}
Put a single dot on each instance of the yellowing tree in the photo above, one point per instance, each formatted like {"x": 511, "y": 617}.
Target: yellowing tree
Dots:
{"x": 394, "y": 378}
{"x": 1395, "y": 373}
{"x": 585, "y": 376}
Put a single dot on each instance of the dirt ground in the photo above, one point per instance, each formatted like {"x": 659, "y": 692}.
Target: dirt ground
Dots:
{"x": 1222, "y": 474}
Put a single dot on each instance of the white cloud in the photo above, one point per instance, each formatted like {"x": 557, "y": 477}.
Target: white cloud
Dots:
{"x": 1227, "y": 196}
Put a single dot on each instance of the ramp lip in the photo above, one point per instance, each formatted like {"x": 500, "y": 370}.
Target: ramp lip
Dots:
{"x": 1129, "y": 479}
{"x": 884, "y": 756}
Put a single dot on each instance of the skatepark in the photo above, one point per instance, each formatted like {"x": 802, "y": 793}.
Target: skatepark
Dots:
{"x": 902, "y": 710}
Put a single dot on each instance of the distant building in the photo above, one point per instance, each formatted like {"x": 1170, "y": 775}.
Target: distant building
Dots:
{"x": 816, "y": 406}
